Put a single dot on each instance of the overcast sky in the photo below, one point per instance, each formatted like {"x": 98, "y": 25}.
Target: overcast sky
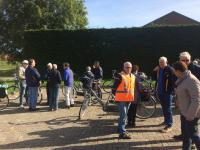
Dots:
{"x": 135, "y": 13}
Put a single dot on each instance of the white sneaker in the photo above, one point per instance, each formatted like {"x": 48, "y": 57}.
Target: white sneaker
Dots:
{"x": 21, "y": 106}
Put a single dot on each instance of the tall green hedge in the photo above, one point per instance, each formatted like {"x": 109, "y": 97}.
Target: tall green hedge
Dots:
{"x": 142, "y": 46}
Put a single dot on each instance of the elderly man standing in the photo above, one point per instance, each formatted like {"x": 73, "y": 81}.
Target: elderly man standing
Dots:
{"x": 68, "y": 82}
{"x": 22, "y": 81}
{"x": 54, "y": 88}
{"x": 46, "y": 77}
{"x": 33, "y": 82}
{"x": 188, "y": 102}
{"x": 123, "y": 90}
{"x": 164, "y": 88}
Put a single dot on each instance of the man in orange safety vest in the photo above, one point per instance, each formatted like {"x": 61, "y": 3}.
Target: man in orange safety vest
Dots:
{"x": 123, "y": 89}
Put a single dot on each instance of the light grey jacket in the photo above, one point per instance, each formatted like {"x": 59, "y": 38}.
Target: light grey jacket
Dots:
{"x": 188, "y": 96}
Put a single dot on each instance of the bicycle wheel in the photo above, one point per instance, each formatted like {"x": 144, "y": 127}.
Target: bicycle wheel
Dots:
{"x": 84, "y": 107}
{"x": 96, "y": 95}
{"x": 146, "y": 109}
{"x": 13, "y": 92}
{"x": 110, "y": 104}
{"x": 4, "y": 102}
{"x": 107, "y": 86}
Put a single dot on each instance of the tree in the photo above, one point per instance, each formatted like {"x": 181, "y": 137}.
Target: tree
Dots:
{"x": 16, "y": 16}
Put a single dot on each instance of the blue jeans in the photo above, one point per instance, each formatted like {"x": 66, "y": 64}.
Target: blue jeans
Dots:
{"x": 123, "y": 110}
{"x": 22, "y": 91}
{"x": 166, "y": 103}
{"x": 54, "y": 97}
{"x": 190, "y": 133}
{"x": 32, "y": 99}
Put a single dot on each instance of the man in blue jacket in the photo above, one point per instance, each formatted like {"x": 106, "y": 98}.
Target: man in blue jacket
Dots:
{"x": 33, "y": 82}
{"x": 68, "y": 83}
{"x": 164, "y": 88}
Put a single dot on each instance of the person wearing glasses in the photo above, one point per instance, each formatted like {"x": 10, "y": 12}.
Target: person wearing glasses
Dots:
{"x": 195, "y": 70}
{"x": 188, "y": 103}
{"x": 123, "y": 89}
{"x": 186, "y": 58}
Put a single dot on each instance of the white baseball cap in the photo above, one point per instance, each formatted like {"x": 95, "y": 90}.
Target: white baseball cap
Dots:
{"x": 25, "y": 62}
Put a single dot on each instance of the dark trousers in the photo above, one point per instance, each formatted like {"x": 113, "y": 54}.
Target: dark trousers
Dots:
{"x": 132, "y": 113}
{"x": 48, "y": 93}
{"x": 166, "y": 103}
{"x": 190, "y": 133}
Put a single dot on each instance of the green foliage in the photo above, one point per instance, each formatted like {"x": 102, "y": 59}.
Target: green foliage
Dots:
{"x": 142, "y": 46}
{"x": 18, "y": 16}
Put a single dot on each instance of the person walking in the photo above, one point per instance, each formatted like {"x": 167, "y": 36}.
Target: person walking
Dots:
{"x": 68, "y": 83}
{"x": 22, "y": 82}
{"x": 54, "y": 88}
{"x": 188, "y": 103}
{"x": 33, "y": 82}
{"x": 123, "y": 89}
{"x": 164, "y": 88}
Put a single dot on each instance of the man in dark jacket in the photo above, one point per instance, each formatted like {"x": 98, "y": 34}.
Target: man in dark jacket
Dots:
{"x": 97, "y": 71}
{"x": 46, "y": 77}
{"x": 54, "y": 87}
{"x": 33, "y": 82}
{"x": 87, "y": 78}
{"x": 164, "y": 88}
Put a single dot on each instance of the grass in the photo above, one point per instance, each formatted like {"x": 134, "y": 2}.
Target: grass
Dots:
{"x": 7, "y": 69}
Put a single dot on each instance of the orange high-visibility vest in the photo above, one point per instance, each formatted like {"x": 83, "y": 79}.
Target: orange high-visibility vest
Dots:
{"x": 125, "y": 90}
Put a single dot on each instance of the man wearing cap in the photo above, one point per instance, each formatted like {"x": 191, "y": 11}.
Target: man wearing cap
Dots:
{"x": 22, "y": 81}
{"x": 123, "y": 89}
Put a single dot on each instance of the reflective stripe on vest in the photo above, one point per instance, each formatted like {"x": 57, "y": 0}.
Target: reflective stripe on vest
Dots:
{"x": 125, "y": 90}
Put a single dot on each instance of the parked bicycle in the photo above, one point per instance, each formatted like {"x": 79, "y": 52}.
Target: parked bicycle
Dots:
{"x": 90, "y": 97}
{"x": 146, "y": 105}
{"x": 107, "y": 84}
{"x": 13, "y": 90}
{"x": 4, "y": 99}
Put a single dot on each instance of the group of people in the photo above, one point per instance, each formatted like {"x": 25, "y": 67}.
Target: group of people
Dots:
{"x": 30, "y": 80}
{"x": 183, "y": 78}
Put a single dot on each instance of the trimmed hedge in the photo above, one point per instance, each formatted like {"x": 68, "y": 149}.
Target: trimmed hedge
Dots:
{"x": 142, "y": 46}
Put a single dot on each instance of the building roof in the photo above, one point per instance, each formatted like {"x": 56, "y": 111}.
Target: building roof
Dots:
{"x": 173, "y": 18}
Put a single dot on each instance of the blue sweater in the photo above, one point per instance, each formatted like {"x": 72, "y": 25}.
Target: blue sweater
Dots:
{"x": 68, "y": 77}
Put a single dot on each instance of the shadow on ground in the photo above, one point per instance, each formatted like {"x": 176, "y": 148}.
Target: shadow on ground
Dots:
{"x": 82, "y": 132}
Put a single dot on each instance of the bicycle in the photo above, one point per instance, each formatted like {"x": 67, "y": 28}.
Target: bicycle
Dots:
{"x": 90, "y": 97}
{"x": 14, "y": 89}
{"x": 146, "y": 104}
{"x": 107, "y": 85}
{"x": 4, "y": 99}
{"x": 148, "y": 100}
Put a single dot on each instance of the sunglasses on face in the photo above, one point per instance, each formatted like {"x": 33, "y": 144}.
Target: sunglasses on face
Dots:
{"x": 185, "y": 60}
